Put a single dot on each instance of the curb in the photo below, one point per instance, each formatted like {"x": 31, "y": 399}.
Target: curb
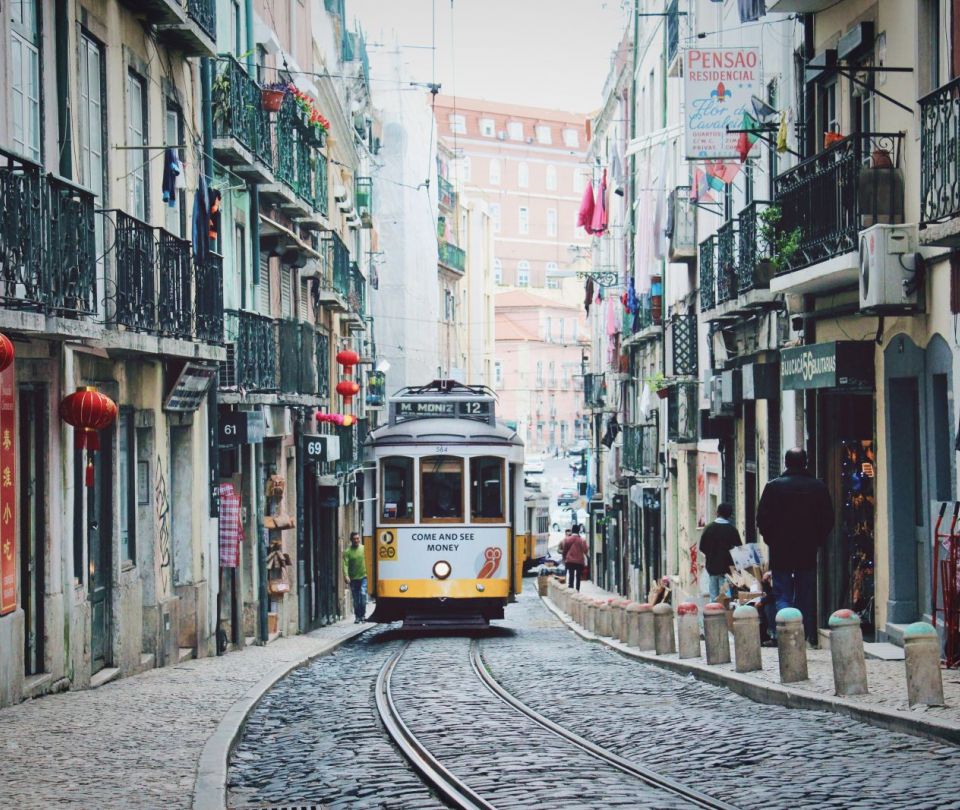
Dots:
{"x": 210, "y": 787}
{"x": 774, "y": 694}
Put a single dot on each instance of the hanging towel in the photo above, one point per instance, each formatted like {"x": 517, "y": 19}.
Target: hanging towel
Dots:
{"x": 599, "y": 223}
{"x": 171, "y": 171}
{"x": 633, "y": 304}
{"x": 231, "y": 527}
{"x": 201, "y": 220}
{"x": 585, "y": 215}
{"x": 588, "y": 295}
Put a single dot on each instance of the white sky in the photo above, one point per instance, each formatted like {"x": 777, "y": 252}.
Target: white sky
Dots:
{"x": 546, "y": 53}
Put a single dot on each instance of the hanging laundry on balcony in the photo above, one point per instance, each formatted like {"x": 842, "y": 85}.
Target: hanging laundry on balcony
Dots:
{"x": 616, "y": 173}
{"x": 599, "y": 222}
{"x": 611, "y": 315}
{"x": 172, "y": 174}
{"x": 751, "y": 10}
{"x": 782, "y": 134}
{"x": 215, "y": 200}
{"x": 585, "y": 215}
{"x": 611, "y": 433}
{"x": 748, "y": 137}
{"x": 231, "y": 527}
{"x": 587, "y": 295}
{"x": 201, "y": 220}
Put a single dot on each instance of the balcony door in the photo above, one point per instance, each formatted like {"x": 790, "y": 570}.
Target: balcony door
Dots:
{"x": 100, "y": 551}
{"x": 32, "y": 411}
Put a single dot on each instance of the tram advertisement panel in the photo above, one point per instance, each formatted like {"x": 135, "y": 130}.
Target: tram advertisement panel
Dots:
{"x": 473, "y": 552}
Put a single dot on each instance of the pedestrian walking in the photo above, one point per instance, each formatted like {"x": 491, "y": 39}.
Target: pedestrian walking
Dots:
{"x": 355, "y": 575}
{"x": 574, "y": 550}
{"x": 795, "y": 516}
{"x": 715, "y": 543}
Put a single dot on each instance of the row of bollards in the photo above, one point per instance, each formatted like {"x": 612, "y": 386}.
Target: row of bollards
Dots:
{"x": 647, "y": 628}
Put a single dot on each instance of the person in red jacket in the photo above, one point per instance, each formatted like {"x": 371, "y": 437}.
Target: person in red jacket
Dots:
{"x": 574, "y": 550}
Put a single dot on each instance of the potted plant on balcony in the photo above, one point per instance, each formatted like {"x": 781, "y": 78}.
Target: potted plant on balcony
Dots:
{"x": 660, "y": 385}
{"x": 272, "y": 95}
{"x": 776, "y": 248}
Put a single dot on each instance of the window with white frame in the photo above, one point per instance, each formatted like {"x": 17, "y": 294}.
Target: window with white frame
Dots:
{"x": 497, "y": 271}
{"x": 90, "y": 117}
{"x": 515, "y": 130}
{"x": 571, "y": 137}
{"x": 553, "y": 283}
{"x": 551, "y": 177}
{"x": 458, "y": 123}
{"x": 544, "y": 134}
{"x": 523, "y": 221}
{"x": 136, "y": 136}
{"x": 551, "y": 222}
{"x": 488, "y": 127}
{"x": 495, "y": 216}
{"x": 523, "y": 273}
{"x": 25, "y": 78}
{"x": 523, "y": 174}
{"x": 494, "y": 172}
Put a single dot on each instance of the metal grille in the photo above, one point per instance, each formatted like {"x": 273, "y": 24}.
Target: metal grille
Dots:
{"x": 726, "y": 270}
{"x": 684, "y": 331}
{"x": 708, "y": 293}
{"x": 751, "y": 246}
{"x": 939, "y": 142}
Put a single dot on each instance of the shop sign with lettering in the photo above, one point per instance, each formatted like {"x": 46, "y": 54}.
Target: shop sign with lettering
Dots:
{"x": 839, "y": 364}
{"x": 8, "y": 497}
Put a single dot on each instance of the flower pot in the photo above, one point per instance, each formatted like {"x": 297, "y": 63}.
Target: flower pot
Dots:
{"x": 880, "y": 159}
{"x": 664, "y": 392}
{"x": 271, "y": 100}
{"x": 830, "y": 138}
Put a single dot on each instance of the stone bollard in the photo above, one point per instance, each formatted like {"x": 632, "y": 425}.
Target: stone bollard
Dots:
{"x": 594, "y": 620}
{"x": 631, "y": 623}
{"x": 688, "y": 630}
{"x": 846, "y": 652}
{"x": 644, "y": 634}
{"x": 921, "y": 647}
{"x": 543, "y": 581}
{"x": 746, "y": 639}
{"x": 625, "y": 619}
{"x": 588, "y": 615}
{"x": 616, "y": 618}
{"x": 716, "y": 637}
{"x": 664, "y": 635}
{"x": 574, "y": 608}
{"x": 603, "y": 620}
{"x": 791, "y": 646}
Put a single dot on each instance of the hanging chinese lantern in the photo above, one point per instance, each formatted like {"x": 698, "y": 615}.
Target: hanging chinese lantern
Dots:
{"x": 6, "y": 352}
{"x": 348, "y": 358}
{"x": 348, "y": 389}
{"x": 88, "y": 411}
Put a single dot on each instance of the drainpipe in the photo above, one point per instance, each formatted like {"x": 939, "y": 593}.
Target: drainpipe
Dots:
{"x": 64, "y": 130}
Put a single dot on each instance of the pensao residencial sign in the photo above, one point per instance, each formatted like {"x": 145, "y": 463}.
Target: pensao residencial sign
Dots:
{"x": 843, "y": 364}
{"x": 718, "y": 84}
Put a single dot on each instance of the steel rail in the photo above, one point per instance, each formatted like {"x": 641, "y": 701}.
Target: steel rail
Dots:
{"x": 646, "y": 775}
{"x": 452, "y": 789}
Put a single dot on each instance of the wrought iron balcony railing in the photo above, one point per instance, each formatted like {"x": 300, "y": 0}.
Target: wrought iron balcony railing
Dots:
{"x": 641, "y": 448}
{"x": 204, "y": 14}
{"x": 176, "y": 285}
{"x": 726, "y": 269}
{"x": 708, "y": 291}
{"x": 835, "y": 194}
{"x": 683, "y": 344}
{"x": 47, "y": 241}
{"x": 682, "y": 412}
{"x": 357, "y": 294}
{"x": 209, "y": 298}
{"x": 323, "y": 364}
{"x": 448, "y": 197}
{"x": 251, "y": 363}
{"x": 753, "y": 250}
{"x": 297, "y": 160}
{"x": 238, "y": 111}
{"x": 594, "y": 390}
{"x": 135, "y": 261}
{"x": 940, "y": 153}
{"x": 298, "y": 362}
{"x": 452, "y": 257}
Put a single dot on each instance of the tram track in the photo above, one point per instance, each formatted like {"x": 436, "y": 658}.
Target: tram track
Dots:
{"x": 458, "y": 793}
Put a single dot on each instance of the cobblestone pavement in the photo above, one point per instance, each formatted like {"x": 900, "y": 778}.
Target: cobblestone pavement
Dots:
{"x": 504, "y": 756}
{"x": 748, "y": 754}
{"x": 315, "y": 738}
{"x": 886, "y": 680}
{"x": 136, "y": 742}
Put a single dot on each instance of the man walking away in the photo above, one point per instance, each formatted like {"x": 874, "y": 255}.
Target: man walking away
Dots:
{"x": 574, "y": 550}
{"x": 715, "y": 544}
{"x": 795, "y": 516}
{"x": 355, "y": 575}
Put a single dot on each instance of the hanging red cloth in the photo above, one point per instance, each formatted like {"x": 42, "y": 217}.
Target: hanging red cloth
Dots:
{"x": 585, "y": 215}
{"x": 598, "y": 224}
{"x": 231, "y": 526}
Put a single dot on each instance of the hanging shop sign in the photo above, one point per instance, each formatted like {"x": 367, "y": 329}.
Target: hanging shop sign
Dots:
{"x": 718, "y": 84}
{"x": 8, "y": 498}
{"x": 240, "y": 427}
{"x": 318, "y": 447}
{"x": 190, "y": 390}
{"x": 844, "y": 364}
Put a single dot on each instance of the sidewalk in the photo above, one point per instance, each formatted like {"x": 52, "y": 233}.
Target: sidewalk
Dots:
{"x": 885, "y": 705}
{"x": 140, "y": 742}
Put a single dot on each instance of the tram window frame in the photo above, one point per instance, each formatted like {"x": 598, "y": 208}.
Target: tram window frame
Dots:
{"x": 411, "y": 503}
{"x": 426, "y": 462}
{"x": 502, "y": 516}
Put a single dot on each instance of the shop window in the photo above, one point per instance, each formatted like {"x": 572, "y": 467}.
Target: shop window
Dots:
{"x": 397, "y": 495}
{"x": 486, "y": 489}
{"x": 441, "y": 488}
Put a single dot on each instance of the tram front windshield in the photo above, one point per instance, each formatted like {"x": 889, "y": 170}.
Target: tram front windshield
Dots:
{"x": 441, "y": 487}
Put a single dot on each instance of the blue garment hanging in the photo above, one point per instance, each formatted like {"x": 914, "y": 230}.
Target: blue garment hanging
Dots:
{"x": 201, "y": 220}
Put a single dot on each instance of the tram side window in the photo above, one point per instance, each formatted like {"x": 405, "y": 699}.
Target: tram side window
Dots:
{"x": 397, "y": 489}
{"x": 441, "y": 488}
{"x": 486, "y": 488}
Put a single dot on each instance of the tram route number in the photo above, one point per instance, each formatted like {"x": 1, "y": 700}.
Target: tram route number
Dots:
{"x": 387, "y": 546}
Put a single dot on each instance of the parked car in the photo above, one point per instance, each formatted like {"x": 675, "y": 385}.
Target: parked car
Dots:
{"x": 533, "y": 465}
{"x": 566, "y": 497}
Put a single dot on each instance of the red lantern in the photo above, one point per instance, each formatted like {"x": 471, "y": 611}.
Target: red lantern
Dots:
{"x": 88, "y": 411}
{"x": 6, "y": 352}
{"x": 347, "y": 389}
{"x": 348, "y": 358}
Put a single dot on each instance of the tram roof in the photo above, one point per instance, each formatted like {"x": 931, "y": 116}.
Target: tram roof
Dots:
{"x": 444, "y": 430}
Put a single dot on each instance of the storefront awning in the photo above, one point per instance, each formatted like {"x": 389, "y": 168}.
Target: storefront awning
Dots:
{"x": 841, "y": 364}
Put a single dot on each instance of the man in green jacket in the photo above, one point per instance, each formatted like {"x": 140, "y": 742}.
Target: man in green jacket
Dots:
{"x": 355, "y": 575}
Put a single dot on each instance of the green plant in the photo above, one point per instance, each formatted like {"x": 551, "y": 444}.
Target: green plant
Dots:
{"x": 658, "y": 381}
{"x": 780, "y": 246}
{"x": 221, "y": 101}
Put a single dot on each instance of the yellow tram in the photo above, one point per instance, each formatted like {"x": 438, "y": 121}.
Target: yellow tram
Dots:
{"x": 448, "y": 515}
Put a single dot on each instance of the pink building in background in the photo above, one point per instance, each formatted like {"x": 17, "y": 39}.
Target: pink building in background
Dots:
{"x": 529, "y": 165}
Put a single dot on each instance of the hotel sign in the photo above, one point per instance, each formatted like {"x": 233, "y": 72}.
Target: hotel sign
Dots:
{"x": 840, "y": 364}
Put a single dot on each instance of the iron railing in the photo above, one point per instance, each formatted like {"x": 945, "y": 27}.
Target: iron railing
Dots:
{"x": 298, "y": 362}
{"x": 323, "y": 364}
{"x": 336, "y": 260}
{"x": 238, "y": 110}
{"x": 204, "y": 14}
{"x": 209, "y": 298}
{"x": 448, "y": 197}
{"x": 47, "y": 241}
{"x": 752, "y": 247}
{"x": 708, "y": 292}
{"x": 135, "y": 262}
{"x": 252, "y": 352}
{"x": 683, "y": 344}
{"x": 940, "y": 153}
{"x": 357, "y": 294}
{"x": 835, "y": 194}
{"x": 298, "y": 162}
{"x": 594, "y": 390}
{"x": 682, "y": 412}
{"x": 641, "y": 450}
{"x": 176, "y": 285}
{"x": 453, "y": 257}
{"x": 726, "y": 269}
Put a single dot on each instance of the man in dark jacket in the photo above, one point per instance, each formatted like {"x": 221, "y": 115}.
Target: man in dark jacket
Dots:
{"x": 715, "y": 544}
{"x": 795, "y": 516}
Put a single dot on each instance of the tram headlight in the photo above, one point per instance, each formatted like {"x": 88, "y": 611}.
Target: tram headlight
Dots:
{"x": 441, "y": 569}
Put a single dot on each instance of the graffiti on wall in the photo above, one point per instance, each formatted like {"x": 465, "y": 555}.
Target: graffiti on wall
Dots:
{"x": 162, "y": 504}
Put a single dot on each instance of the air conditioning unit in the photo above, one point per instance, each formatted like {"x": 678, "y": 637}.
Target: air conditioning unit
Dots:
{"x": 891, "y": 270}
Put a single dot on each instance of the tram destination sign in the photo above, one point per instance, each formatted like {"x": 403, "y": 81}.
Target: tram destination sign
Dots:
{"x": 404, "y": 410}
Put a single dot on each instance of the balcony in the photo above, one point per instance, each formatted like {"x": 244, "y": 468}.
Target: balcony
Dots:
{"x": 135, "y": 254}
{"x": 251, "y": 363}
{"x": 363, "y": 197}
{"x": 594, "y": 390}
{"x": 322, "y": 350}
{"x": 753, "y": 249}
{"x": 452, "y": 257}
{"x": 298, "y": 360}
{"x": 241, "y": 127}
{"x": 708, "y": 290}
{"x": 830, "y": 198}
{"x": 683, "y": 413}
{"x": 939, "y": 172}
{"x": 726, "y": 269}
{"x": 356, "y": 299}
{"x": 209, "y": 298}
{"x": 447, "y": 196}
{"x": 334, "y": 270}
{"x": 190, "y": 25}
{"x": 47, "y": 242}
{"x": 299, "y": 188}
{"x": 641, "y": 449}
